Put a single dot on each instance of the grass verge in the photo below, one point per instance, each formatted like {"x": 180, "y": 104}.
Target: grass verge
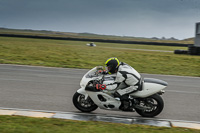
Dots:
{"x": 75, "y": 54}
{"x": 20, "y": 124}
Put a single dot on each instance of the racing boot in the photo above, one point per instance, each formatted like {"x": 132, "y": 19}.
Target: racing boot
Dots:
{"x": 125, "y": 103}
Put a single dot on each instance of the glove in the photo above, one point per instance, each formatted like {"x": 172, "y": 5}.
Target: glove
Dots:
{"x": 100, "y": 86}
{"x": 103, "y": 72}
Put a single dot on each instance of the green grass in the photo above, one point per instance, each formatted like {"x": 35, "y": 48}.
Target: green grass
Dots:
{"x": 75, "y": 54}
{"x": 19, "y": 124}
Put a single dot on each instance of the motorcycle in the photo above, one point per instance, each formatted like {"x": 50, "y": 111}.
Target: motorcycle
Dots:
{"x": 146, "y": 101}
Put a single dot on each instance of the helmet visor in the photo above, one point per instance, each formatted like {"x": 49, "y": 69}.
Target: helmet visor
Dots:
{"x": 108, "y": 68}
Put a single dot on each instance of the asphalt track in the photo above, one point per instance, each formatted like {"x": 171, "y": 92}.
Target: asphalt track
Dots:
{"x": 44, "y": 88}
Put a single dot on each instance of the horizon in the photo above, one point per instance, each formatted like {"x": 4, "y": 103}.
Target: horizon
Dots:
{"x": 162, "y": 38}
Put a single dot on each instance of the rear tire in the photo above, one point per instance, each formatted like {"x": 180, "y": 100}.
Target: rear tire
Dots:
{"x": 83, "y": 105}
{"x": 155, "y": 102}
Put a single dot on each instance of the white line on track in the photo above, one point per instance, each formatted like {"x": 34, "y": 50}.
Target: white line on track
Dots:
{"x": 82, "y": 70}
{"x": 187, "y": 92}
{"x": 142, "y": 49}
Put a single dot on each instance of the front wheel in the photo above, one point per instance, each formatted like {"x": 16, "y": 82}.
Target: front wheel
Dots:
{"x": 153, "y": 106}
{"x": 82, "y": 104}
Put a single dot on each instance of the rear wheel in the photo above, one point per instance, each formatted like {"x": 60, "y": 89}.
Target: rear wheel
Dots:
{"x": 84, "y": 105}
{"x": 153, "y": 105}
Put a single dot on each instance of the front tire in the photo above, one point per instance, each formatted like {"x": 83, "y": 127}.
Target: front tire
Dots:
{"x": 83, "y": 105}
{"x": 154, "y": 103}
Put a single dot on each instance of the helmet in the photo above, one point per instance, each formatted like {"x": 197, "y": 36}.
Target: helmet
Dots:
{"x": 112, "y": 64}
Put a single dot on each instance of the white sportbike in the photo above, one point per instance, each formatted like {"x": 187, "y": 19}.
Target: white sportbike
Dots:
{"x": 146, "y": 101}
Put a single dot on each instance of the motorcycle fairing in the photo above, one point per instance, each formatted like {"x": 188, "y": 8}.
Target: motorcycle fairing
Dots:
{"x": 104, "y": 101}
{"x": 157, "y": 81}
{"x": 150, "y": 86}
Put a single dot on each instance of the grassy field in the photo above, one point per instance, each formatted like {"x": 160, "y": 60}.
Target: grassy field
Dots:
{"x": 75, "y": 54}
{"x": 19, "y": 124}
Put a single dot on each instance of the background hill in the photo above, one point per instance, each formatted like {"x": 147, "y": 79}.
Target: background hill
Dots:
{"x": 90, "y": 36}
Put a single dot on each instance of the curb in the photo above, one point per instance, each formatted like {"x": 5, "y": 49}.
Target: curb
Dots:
{"x": 99, "y": 117}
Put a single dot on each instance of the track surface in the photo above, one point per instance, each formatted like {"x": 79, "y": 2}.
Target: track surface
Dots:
{"x": 43, "y": 88}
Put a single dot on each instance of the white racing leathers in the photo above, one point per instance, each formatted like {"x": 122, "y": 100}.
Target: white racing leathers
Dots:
{"x": 125, "y": 75}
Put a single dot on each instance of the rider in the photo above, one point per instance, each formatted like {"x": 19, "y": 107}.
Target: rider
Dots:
{"x": 127, "y": 80}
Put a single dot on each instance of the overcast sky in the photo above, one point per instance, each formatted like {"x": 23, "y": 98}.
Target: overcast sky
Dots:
{"x": 139, "y": 18}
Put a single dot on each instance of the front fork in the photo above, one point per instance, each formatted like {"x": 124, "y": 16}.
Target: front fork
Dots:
{"x": 83, "y": 92}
